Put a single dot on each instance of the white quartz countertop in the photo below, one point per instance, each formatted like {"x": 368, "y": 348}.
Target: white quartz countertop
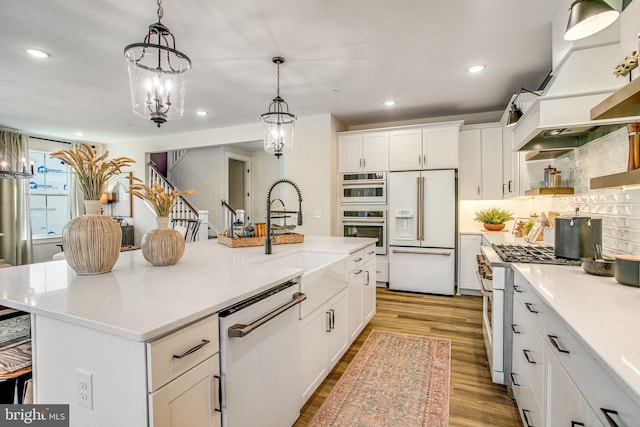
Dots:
{"x": 602, "y": 313}
{"x": 140, "y": 302}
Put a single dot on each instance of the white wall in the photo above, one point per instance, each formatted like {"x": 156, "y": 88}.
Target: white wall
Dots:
{"x": 311, "y": 164}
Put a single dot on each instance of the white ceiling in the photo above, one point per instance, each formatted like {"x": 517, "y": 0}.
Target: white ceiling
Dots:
{"x": 413, "y": 51}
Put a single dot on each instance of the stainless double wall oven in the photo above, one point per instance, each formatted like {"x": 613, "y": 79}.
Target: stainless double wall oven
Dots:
{"x": 363, "y": 208}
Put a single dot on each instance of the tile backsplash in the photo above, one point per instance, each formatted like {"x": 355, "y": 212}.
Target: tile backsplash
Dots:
{"x": 618, "y": 208}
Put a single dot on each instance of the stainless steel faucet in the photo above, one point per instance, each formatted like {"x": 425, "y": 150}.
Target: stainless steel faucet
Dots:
{"x": 268, "y": 241}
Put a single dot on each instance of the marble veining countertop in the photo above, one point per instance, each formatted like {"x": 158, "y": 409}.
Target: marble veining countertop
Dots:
{"x": 140, "y": 302}
{"x": 602, "y": 314}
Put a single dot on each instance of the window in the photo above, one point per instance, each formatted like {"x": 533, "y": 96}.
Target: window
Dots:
{"x": 49, "y": 194}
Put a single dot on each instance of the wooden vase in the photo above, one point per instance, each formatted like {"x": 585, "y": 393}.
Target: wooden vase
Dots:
{"x": 164, "y": 245}
{"x": 494, "y": 227}
{"x": 91, "y": 242}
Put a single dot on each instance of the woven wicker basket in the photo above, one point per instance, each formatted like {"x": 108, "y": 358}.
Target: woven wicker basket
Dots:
{"x": 245, "y": 242}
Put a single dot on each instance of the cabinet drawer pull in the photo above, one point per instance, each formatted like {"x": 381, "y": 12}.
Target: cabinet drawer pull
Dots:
{"x": 526, "y": 418}
{"x": 357, "y": 260}
{"x": 528, "y": 305}
{"x": 526, "y": 356}
{"x": 332, "y": 321}
{"x": 358, "y": 272}
{"x": 372, "y": 252}
{"x": 607, "y": 414}
{"x": 513, "y": 328}
{"x": 217, "y": 404}
{"x": 576, "y": 423}
{"x": 554, "y": 342}
{"x": 517, "y": 288}
{"x": 513, "y": 380}
{"x": 328, "y": 316}
{"x": 191, "y": 350}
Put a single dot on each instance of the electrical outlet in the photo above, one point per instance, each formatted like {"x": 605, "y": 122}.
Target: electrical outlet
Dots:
{"x": 317, "y": 213}
{"x": 85, "y": 388}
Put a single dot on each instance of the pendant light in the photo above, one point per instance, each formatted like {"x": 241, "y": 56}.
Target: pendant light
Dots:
{"x": 587, "y": 17}
{"x": 156, "y": 74}
{"x": 278, "y": 122}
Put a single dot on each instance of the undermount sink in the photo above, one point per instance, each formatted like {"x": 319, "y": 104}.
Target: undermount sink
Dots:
{"x": 325, "y": 274}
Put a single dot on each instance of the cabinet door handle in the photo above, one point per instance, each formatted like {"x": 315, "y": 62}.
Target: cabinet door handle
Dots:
{"x": 526, "y": 356}
{"x": 554, "y": 342}
{"x": 517, "y": 288}
{"x": 528, "y": 305}
{"x": 478, "y": 190}
{"x": 576, "y": 423}
{"x": 424, "y": 160}
{"x": 191, "y": 350}
{"x": 333, "y": 318}
{"x": 607, "y": 414}
{"x": 503, "y": 189}
{"x": 510, "y": 189}
{"x": 217, "y": 394}
{"x": 526, "y": 418}
{"x": 328, "y": 321}
{"x": 513, "y": 328}
{"x": 368, "y": 278}
{"x": 364, "y": 162}
{"x": 513, "y": 380}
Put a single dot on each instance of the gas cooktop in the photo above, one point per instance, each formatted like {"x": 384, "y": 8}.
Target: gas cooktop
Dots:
{"x": 531, "y": 254}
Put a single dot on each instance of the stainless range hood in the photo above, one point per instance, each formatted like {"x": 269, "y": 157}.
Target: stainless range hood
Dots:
{"x": 560, "y": 118}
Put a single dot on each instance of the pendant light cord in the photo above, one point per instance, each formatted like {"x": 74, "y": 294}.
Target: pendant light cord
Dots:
{"x": 278, "y": 81}
{"x": 160, "y": 10}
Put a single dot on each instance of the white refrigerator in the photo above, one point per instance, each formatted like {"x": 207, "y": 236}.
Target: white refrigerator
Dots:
{"x": 422, "y": 231}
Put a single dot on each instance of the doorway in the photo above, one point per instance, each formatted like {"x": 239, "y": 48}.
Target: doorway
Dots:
{"x": 239, "y": 183}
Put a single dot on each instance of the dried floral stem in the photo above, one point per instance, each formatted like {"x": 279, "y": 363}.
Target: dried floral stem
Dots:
{"x": 161, "y": 200}
{"x": 92, "y": 171}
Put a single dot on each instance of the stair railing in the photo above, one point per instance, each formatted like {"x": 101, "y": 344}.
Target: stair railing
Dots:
{"x": 182, "y": 209}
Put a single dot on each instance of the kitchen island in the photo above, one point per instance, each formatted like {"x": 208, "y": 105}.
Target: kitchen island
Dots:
{"x": 105, "y": 326}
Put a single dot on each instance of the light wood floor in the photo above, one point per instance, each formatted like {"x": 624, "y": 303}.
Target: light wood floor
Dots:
{"x": 475, "y": 401}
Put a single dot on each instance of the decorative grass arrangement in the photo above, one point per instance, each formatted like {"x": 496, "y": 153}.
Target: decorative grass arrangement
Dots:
{"x": 160, "y": 200}
{"x": 92, "y": 171}
{"x": 493, "y": 216}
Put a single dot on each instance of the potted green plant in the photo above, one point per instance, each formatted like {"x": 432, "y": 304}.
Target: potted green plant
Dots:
{"x": 493, "y": 218}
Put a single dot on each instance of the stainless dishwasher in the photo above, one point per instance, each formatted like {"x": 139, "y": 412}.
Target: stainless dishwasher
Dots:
{"x": 260, "y": 359}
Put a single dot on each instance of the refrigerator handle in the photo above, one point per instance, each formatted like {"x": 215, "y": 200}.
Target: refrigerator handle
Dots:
{"x": 422, "y": 203}
{"x": 418, "y": 209}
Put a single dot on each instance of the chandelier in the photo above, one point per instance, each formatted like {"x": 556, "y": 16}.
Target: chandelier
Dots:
{"x": 156, "y": 74}
{"x": 278, "y": 123}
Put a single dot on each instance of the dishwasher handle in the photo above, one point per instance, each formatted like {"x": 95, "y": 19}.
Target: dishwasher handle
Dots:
{"x": 240, "y": 330}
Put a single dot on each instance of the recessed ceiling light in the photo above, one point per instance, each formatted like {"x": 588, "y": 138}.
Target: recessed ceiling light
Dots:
{"x": 476, "y": 68}
{"x": 390, "y": 103}
{"x": 78, "y": 133}
{"x": 201, "y": 113}
{"x": 38, "y": 53}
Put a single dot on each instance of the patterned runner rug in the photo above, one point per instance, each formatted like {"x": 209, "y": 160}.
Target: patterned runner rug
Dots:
{"x": 394, "y": 380}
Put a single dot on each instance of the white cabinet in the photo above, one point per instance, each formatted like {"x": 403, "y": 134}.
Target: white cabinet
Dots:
{"x": 480, "y": 168}
{"x": 363, "y": 152}
{"x": 510, "y": 165}
{"x": 362, "y": 290}
{"x": 467, "y": 264}
{"x": 192, "y": 399}
{"x": 432, "y": 147}
{"x": 144, "y": 381}
{"x": 556, "y": 381}
{"x": 184, "y": 377}
{"x": 324, "y": 339}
